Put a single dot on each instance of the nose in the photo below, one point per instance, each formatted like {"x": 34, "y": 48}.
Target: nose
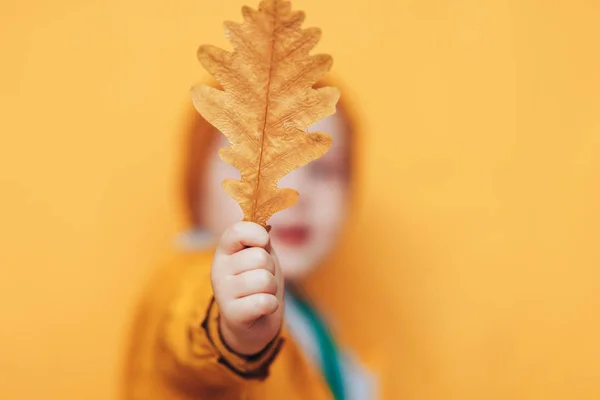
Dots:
{"x": 297, "y": 180}
{"x": 292, "y": 180}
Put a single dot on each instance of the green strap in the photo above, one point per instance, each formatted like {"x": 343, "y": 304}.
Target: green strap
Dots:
{"x": 328, "y": 350}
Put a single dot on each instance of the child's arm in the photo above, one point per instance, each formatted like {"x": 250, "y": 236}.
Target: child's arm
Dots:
{"x": 222, "y": 342}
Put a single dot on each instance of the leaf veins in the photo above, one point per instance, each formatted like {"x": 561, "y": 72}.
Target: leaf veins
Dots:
{"x": 267, "y": 103}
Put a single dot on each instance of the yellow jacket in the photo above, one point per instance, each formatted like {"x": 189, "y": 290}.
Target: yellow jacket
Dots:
{"x": 176, "y": 352}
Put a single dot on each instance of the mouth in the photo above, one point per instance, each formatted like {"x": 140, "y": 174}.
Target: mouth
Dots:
{"x": 291, "y": 235}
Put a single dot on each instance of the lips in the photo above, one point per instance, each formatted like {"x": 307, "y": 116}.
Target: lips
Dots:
{"x": 292, "y": 235}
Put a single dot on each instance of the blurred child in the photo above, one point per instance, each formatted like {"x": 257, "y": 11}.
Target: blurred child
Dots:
{"x": 220, "y": 323}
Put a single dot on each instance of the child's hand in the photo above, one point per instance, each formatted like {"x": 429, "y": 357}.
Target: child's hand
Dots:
{"x": 248, "y": 288}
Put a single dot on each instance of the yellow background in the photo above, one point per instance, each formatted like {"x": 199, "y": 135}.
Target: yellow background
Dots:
{"x": 480, "y": 208}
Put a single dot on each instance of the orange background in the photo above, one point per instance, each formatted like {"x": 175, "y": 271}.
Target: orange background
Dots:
{"x": 480, "y": 209}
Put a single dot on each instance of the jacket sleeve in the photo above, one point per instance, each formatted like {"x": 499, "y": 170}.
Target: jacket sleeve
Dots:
{"x": 191, "y": 353}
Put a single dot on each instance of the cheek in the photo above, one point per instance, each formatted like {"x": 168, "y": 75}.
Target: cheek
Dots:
{"x": 219, "y": 211}
{"x": 328, "y": 209}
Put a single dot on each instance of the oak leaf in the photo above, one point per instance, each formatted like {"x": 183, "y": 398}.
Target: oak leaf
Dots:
{"x": 267, "y": 103}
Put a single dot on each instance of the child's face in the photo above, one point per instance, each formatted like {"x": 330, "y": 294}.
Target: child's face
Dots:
{"x": 305, "y": 233}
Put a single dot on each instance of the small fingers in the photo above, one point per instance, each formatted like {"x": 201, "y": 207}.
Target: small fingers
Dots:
{"x": 253, "y": 282}
{"x": 251, "y": 259}
{"x": 242, "y": 235}
{"x": 248, "y": 309}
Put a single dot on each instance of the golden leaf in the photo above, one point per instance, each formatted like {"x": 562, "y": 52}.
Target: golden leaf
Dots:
{"x": 267, "y": 103}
